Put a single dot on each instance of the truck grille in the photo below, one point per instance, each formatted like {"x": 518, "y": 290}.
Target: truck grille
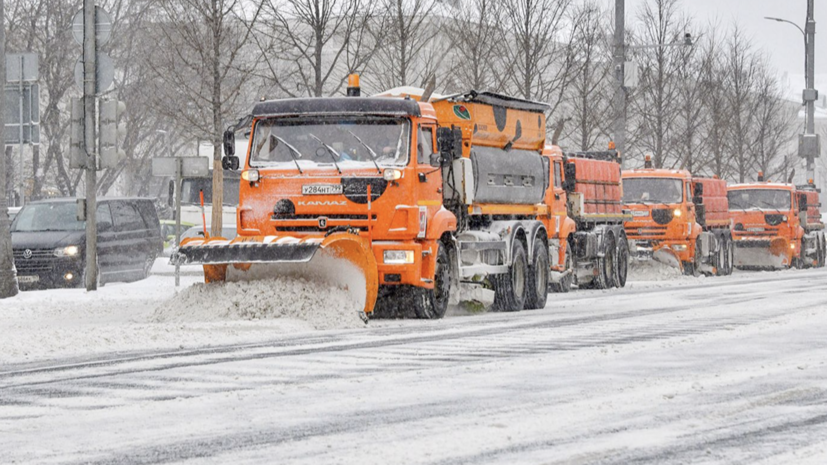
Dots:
{"x": 649, "y": 231}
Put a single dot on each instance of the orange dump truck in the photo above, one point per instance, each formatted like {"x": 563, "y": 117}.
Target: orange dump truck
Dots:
{"x": 776, "y": 225}
{"x": 679, "y": 219}
{"x": 398, "y": 198}
{"x": 588, "y": 245}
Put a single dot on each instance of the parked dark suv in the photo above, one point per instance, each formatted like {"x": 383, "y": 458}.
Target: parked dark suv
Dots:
{"x": 50, "y": 243}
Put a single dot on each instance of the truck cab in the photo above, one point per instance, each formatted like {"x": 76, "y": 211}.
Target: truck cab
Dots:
{"x": 663, "y": 224}
{"x": 771, "y": 227}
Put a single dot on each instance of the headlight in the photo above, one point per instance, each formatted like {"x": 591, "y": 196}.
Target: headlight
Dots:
{"x": 792, "y": 246}
{"x": 391, "y": 174}
{"x": 399, "y": 257}
{"x": 70, "y": 251}
{"x": 250, "y": 175}
{"x": 679, "y": 247}
{"x": 677, "y": 212}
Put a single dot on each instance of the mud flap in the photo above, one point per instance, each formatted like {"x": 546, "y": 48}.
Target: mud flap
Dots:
{"x": 341, "y": 259}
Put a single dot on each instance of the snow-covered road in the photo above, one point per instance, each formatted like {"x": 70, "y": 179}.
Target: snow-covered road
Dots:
{"x": 724, "y": 370}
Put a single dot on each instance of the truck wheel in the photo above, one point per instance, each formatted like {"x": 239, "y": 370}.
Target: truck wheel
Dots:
{"x": 622, "y": 265}
{"x": 721, "y": 257}
{"x": 567, "y": 282}
{"x": 537, "y": 289}
{"x": 431, "y": 304}
{"x": 510, "y": 287}
{"x": 730, "y": 254}
{"x": 693, "y": 268}
{"x": 606, "y": 267}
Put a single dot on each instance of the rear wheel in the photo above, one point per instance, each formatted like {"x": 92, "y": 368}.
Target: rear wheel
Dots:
{"x": 567, "y": 281}
{"x": 431, "y": 304}
{"x": 510, "y": 287}
{"x": 538, "y": 277}
{"x": 622, "y": 265}
{"x": 730, "y": 254}
{"x": 721, "y": 257}
{"x": 607, "y": 266}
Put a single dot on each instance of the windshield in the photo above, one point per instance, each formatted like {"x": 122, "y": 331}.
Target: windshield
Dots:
{"x": 760, "y": 199}
{"x": 191, "y": 187}
{"x": 652, "y": 190}
{"x": 59, "y": 216}
{"x": 350, "y": 141}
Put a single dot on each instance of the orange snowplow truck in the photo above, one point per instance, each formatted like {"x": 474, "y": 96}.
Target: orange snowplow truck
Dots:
{"x": 587, "y": 242}
{"x": 405, "y": 199}
{"x": 776, "y": 225}
{"x": 679, "y": 220}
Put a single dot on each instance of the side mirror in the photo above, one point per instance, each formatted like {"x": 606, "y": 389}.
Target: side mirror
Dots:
{"x": 449, "y": 143}
{"x": 570, "y": 171}
{"x": 171, "y": 197}
{"x": 436, "y": 160}
{"x": 230, "y": 163}
{"x": 698, "y": 197}
{"x": 229, "y": 143}
{"x": 802, "y": 202}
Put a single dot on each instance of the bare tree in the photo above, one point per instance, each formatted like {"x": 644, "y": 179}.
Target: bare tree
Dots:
{"x": 316, "y": 42}
{"x": 741, "y": 79}
{"x": 773, "y": 126}
{"x": 477, "y": 51}
{"x": 200, "y": 59}
{"x": 714, "y": 100}
{"x": 590, "y": 89}
{"x": 690, "y": 108}
{"x": 654, "y": 101}
{"x": 410, "y": 52}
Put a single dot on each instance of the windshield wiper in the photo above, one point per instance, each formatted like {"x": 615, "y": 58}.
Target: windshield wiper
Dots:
{"x": 293, "y": 152}
{"x": 373, "y": 155}
{"x": 330, "y": 150}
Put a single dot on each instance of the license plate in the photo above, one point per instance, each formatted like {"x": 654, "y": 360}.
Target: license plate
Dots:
{"x": 755, "y": 229}
{"x": 28, "y": 279}
{"x": 640, "y": 213}
{"x": 321, "y": 189}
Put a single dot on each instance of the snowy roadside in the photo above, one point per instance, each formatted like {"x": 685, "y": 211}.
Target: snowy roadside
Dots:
{"x": 150, "y": 315}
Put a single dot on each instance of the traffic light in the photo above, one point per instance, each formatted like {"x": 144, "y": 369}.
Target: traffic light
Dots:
{"x": 111, "y": 132}
{"x": 77, "y": 153}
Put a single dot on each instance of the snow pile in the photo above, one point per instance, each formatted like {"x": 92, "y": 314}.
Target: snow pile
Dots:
{"x": 321, "y": 305}
{"x": 652, "y": 270}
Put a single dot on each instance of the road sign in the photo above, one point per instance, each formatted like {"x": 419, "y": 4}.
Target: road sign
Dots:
{"x": 30, "y": 113}
{"x": 103, "y": 26}
{"x": 105, "y": 74}
{"x": 25, "y": 71}
{"x": 191, "y": 167}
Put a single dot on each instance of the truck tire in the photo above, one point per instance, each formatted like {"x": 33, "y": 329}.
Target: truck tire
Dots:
{"x": 729, "y": 245}
{"x": 510, "y": 287}
{"x": 537, "y": 288}
{"x": 622, "y": 262}
{"x": 567, "y": 282}
{"x": 431, "y": 304}
{"x": 721, "y": 257}
{"x": 693, "y": 268}
{"x": 609, "y": 269}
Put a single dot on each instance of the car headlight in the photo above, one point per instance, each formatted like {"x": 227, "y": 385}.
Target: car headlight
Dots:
{"x": 70, "y": 251}
{"x": 398, "y": 257}
{"x": 679, "y": 247}
{"x": 677, "y": 212}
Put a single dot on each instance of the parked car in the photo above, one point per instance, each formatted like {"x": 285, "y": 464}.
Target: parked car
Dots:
{"x": 49, "y": 242}
{"x": 228, "y": 231}
{"x": 168, "y": 231}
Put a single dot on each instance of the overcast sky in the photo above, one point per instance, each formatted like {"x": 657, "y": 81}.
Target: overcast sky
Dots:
{"x": 783, "y": 43}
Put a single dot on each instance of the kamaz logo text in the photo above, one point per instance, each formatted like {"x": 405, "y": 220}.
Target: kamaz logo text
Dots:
{"x": 322, "y": 203}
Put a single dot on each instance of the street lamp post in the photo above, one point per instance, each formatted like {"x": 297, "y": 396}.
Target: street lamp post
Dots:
{"x": 809, "y": 146}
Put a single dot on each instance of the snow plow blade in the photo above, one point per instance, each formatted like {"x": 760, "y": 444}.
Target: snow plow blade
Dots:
{"x": 343, "y": 259}
{"x": 762, "y": 254}
{"x": 668, "y": 257}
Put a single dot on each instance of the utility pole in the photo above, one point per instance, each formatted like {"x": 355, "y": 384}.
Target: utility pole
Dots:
{"x": 810, "y": 95}
{"x": 8, "y": 274}
{"x": 89, "y": 92}
{"x": 619, "y": 102}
